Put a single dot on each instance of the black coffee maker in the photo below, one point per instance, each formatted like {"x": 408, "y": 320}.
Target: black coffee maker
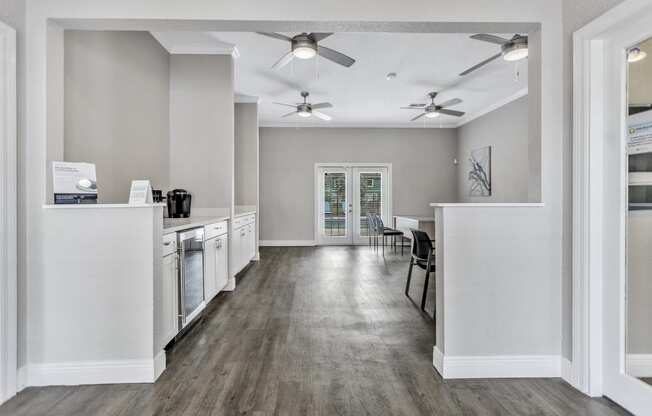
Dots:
{"x": 179, "y": 203}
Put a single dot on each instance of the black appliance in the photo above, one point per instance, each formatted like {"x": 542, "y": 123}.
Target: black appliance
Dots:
{"x": 157, "y": 196}
{"x": 179, "y": 203}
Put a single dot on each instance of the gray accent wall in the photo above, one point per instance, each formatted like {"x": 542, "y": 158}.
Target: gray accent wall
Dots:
{"x": 422, "y": 164}
{"x": 201, "y": 129}
{"x": 116, "y": 108}
{"x": 506, "y": 131}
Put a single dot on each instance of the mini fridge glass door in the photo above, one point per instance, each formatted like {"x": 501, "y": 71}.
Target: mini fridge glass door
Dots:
{"x": 191, "y": 282}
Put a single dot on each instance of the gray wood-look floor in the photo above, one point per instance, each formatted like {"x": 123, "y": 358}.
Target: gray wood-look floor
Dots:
{"x": 312, "y": 331}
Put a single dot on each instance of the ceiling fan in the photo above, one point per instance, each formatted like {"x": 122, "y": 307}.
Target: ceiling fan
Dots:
{"x": 306, "y": 109}
{"x": 433, "y": 110}
{"x": 513, "y": 49}
{"x": 306, "y": 46}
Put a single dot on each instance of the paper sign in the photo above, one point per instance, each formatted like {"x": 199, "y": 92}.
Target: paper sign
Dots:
{"x": 639, "y": 138}
{"x": 141, "y": 192}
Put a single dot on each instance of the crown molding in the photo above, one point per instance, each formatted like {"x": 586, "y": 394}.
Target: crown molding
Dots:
{"x": 501, "y": 103}
{"x": 194, "y": 43}
{"x": 246, "y": 99}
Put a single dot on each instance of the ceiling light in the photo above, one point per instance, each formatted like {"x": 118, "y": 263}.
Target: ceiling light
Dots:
{"x": 432, "y": 114}
{"x": 303, "y": 113}
{"x": 515, "y": 52}
{"x": 304, "y": 52}
{"x": 635, "y": 55}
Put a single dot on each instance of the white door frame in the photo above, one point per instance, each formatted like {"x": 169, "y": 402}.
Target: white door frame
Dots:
{"x": 8, "y": 234}
{"x": 599, "y": 239}
{"x": 317, "y": 202}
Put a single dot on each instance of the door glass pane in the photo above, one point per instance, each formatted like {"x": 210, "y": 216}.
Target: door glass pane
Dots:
{"x": 370, "y": 198}
{"x": 334, "y": 204}
{"x": 638, "y": 322}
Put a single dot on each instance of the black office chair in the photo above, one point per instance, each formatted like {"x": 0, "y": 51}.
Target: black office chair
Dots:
{"x": 423, "y": 255}
{"x": 388, "y": 232}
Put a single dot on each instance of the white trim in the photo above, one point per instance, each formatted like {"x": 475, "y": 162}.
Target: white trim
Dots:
{"x": 639, "y": 365}
{"x": 567, "y": 371}
{"x": 8, "y": 233}
{"x": 160, "y": 364}
{"x": 472, "y": 116}
{"x": 246, "y": 99}
{"x": 202, "y": 43}
{"x": 591, "y": 85}
{"x": 93, "y": 372}
{"x": 489, "y": 205}
{"x": 496, "y": 366}
{"x": 287, "y": 243}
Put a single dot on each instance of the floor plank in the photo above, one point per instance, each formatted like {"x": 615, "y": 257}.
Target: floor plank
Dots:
{"x": 313, "y": 331}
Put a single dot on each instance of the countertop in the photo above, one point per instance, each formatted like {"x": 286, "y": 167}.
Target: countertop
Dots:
{"x": 171, "y": 225}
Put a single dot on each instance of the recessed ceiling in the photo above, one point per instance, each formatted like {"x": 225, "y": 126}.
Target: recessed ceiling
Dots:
{"x": 362, "y": 95}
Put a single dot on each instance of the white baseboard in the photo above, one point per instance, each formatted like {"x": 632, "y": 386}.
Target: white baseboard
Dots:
{"x": 497, "y": 366}
{"x": 160, "y": 364}
{"x": 230, "y": 285}
{"x": 287, "y": 243}
{"x": 567, "y": 371}
{"x": 93, "y": 372}
{"x": 639, "y": 365}
{"x": 22, "y": 378}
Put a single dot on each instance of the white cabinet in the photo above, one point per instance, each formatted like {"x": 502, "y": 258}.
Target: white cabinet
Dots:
{"x": 243, "y": 242}
{"x": 168, "y": 308}
{"x": 216, "y": 267}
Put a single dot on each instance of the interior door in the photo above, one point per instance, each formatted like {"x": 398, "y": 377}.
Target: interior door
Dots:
{"x": 334, "y": 205}
{"x": 370, "y": 196}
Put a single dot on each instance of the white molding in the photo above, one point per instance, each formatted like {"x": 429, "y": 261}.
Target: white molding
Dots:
{"x": 438, "y": 360}
{"x": 93, "y": 372}
{"x": 22, "y": 378}
{"x": 588, "y": 196}
{"x": 194, "y": 43}
{"x": 287, "y": 243}
{"x": 497, "y": 366}
{"x": 246, "y": 99}
{"x": 472, "y": 116}
{"x": 639, "y": 365}
{"x": 8, "y": 232}
{"x": 160, "y": 364}
{"x": 567, "y": 371}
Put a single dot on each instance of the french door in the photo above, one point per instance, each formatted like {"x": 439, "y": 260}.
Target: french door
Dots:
{"x": 345, "y": 194}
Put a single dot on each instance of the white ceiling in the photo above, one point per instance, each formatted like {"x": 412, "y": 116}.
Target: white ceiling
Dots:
{"x": 361, "y": 95}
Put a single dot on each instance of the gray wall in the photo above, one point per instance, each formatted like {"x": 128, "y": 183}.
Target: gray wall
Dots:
{"x": 422, "y": 165}
{"x": 575, "y": 14}
{"x": 116, "y": 108}
{"x": 506, "y": 131}
{"x": 201, "y": 129}
{"x": 246, "y": 154}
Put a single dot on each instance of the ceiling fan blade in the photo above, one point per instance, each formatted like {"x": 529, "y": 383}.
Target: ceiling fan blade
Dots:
{"x": 275, "y": 36}
{"x": 490, "y": 38}
{"x": 450, "y": 103}
{"x": 284, "y": 60}
{"x": 321, "y": 105}
{"x": 481, "y": 64}
{"x": 335, "y": 56}
{"x": 287, "y": 105}
{"x": 451, "y": 112}
{"x": 321, "y": 115}
{"x": 412, "y": 108}
{"x": 318, "y": 36}
{"x": 418, "y": 117}
{"x": 289, "y": 114}
{"x": 417, "y": 105}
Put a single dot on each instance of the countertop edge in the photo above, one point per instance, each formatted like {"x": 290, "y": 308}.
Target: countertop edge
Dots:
{"x": 489, "y": 205}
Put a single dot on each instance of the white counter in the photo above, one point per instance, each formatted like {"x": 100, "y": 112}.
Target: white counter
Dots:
{"x": 172, "y": 225}
{"x": 488, "y": 205}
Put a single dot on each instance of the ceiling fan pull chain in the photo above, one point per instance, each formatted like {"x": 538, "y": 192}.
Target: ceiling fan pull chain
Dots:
{"x": 517, "y": 72}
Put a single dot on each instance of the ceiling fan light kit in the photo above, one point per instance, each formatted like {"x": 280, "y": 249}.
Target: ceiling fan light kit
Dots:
{"x": 511, "y": 50}
{"x": 306, "y": 46}
{"x": 306, "y": 109}
{"x": 635, "y": 55}
{"x": 433, "y": 110}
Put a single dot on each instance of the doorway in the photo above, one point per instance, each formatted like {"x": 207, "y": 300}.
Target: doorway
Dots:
{"x": 344, "y": 194}
{"x": 611, "y": 231}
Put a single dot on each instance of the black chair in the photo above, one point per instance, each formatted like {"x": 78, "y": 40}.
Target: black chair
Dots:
{"x": 423, "y": 255}
{"x": 388, "y": 232}
{"x": 371, "y": 228}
